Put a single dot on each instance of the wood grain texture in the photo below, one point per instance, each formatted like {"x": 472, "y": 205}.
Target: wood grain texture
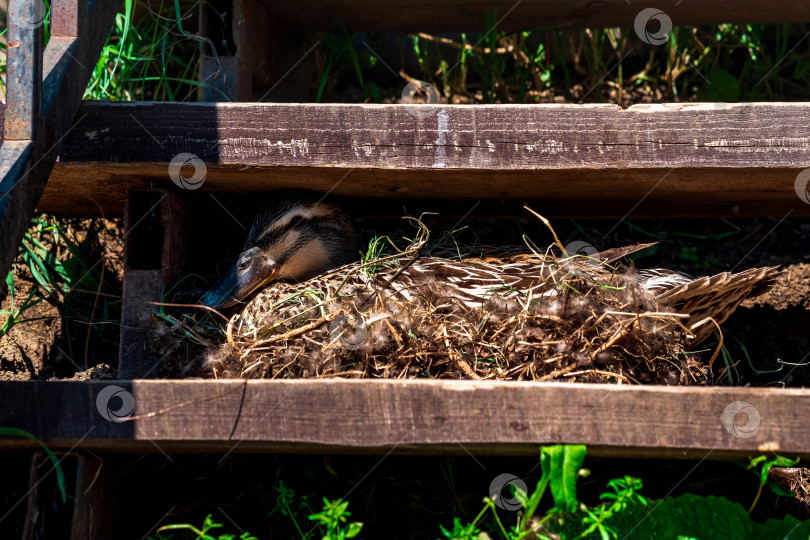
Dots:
{"x": 464, "y": 15}
{"x": 90, "y": 482}
{"x": 571, "y": 160}
{"x": 155, "y": 254}
{"x": 94, "y": 504}
{"x": 407, "y": 417}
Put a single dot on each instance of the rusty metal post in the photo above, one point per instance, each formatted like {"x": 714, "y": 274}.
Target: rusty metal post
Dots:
{"x": 24, "y": 69}
{"x": 68, "y": 17}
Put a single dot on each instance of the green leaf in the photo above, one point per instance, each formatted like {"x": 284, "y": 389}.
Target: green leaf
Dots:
{"x": 37, "y": 268}
{"x": 720, "y": 86}
{"x": 694, "y": 516}
{"x": 565, "y": 461}
{"x": 777, "y": 488}
{"x": 789, "y": 528}
{"x": 354, "y": 529}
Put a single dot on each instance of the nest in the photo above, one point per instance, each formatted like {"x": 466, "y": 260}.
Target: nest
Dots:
{"x": 581, "y": 321}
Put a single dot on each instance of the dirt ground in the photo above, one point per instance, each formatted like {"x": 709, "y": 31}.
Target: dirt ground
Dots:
{"x": 72, "y": 334}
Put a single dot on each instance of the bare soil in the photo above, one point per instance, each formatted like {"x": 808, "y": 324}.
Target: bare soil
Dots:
{"x": 71, "y": 335}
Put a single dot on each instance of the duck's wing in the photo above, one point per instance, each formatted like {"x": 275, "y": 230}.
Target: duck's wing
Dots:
{"x": 478, "y": 252}
{"x": 610, "y": 256}
{"x": 472, "y": 282}
{"x": 497, "y": 254}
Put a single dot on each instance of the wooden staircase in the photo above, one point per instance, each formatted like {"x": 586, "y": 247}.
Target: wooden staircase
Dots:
{"x": 669, "y": 160}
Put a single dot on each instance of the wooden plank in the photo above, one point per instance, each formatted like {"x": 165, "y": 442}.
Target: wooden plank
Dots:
{"x": 97, "y": 479}
{"x": 463, "y": 15}
{"x": 233, "y": 57}
{"x": 155, "y": 254}
{"x": 407, "y": 417}
{"x": 46, "y": 515}
{"x": 220, "y": 67}
{"x": 87, "y": 514}
{"x": 35, "y": 516}
{"x": 684, "y": 160}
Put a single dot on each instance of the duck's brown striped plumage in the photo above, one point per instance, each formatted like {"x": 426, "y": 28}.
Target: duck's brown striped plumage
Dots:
{"x": 298, "y": 236}
{"x": 474, "y": 283}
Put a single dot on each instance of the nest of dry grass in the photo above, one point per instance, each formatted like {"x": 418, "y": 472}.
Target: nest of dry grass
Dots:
{"x": 581, "y": 321}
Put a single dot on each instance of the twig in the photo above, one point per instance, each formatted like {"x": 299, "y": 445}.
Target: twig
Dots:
{"x": 719, "y": 331}
{"x": 294, "y": 332}
{"x": 457, "y": 45}
{"x": 200, "y": 306}
{"x": 465, "y": 367}
{"x": 548, "y": 224}
{"x": 598, "y": 372}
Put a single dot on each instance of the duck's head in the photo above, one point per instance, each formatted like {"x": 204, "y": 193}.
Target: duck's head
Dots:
{"x": 295, "y": 237}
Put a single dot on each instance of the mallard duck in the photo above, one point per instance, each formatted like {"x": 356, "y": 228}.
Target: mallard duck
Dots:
{"x": 308, "y": 252}
{"x": 298, "y": 236}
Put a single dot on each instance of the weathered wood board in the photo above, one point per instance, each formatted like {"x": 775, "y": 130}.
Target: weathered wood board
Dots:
{"x": 155, "y": 254}
{"x": 463, "y": 15}
{"x": 407, "y": 417}
{"x": 568, "y": 160}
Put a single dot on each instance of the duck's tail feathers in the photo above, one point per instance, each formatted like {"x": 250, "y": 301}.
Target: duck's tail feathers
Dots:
{"x": 715, "y": 297}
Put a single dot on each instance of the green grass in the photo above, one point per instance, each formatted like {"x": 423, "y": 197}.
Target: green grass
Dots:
{"x": 152, "y": 57}
{"x": 150, "y": 54}
{"x": 723, "y": 62}
{"x": 331, "y": 523}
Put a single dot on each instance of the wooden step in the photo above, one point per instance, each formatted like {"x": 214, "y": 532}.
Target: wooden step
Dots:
{"x": 463, "y": 15}
{"x": 406, "y": 417}
{"x": 677, "y": 160}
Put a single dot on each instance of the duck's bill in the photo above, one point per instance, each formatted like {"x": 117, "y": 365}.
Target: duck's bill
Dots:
{"x": 234, "y": 286}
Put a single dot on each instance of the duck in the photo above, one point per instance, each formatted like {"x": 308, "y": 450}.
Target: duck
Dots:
{"x": 295, "y": 236}
{"x": 302, "y": 261}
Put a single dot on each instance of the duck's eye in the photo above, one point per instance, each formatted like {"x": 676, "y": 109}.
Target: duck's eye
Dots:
{"x": 296, "y": 220}
{"x": 244, "y": 264}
